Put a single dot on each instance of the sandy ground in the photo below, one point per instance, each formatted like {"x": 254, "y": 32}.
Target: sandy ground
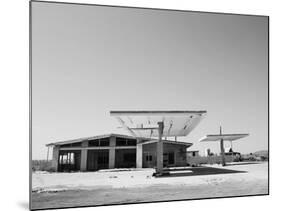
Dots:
{"x": 97, "y": 188}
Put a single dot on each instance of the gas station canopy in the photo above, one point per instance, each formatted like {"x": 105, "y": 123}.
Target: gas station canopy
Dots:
{"x": 225, "y": 137}
{"x": 145, "y": 123}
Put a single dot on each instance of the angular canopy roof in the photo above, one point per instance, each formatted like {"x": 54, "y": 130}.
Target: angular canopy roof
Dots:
{"x": 145, "y": 123}
{"x": 226, "y": 137}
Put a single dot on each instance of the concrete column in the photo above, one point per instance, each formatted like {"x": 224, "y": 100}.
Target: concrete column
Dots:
{"x": 112, "y": 144}
{"x": 139, "y": 153}
{"x": 159, "y": 164}
{"x": 222, "y": 153}
{"x": 55, "y": 160}
{"x": 84, "y": 155}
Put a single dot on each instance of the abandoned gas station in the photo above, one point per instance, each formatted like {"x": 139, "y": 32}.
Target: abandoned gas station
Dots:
{"x": 115, "y": 151}
{"x": 152, "y": 143}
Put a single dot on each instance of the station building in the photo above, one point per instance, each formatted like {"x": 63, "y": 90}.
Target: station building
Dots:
{"x": 115, "y": 151}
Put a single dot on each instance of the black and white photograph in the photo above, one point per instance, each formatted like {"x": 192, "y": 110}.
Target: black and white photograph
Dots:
{"x": 135, "y": 105}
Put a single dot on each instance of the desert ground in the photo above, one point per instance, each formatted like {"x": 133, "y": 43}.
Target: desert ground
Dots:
{"x": 121, "y": 186}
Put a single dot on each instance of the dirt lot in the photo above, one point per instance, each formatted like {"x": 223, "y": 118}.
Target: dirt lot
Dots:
{"x": 97, "y": 188}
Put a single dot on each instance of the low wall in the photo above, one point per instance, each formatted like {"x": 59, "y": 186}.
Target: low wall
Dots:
{"x": 197, "y": 160}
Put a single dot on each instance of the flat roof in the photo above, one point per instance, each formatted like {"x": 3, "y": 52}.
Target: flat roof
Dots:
{"x": 141, "y": 123}
{"x": 226, "y": 137}
{"x": 146, "y": 140}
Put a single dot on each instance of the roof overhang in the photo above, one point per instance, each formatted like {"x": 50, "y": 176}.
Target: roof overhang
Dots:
{"x": 151, "y": 141}
{"x": 89, "y": 138}
{"x": 145, "y": 123}
{"x": 143, "y": 140}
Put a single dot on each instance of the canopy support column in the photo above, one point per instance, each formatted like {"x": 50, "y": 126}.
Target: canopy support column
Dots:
{"x": 139, "y": 152}
{"x": 222, "y": 153}
{"x": 48, "y": 154}
{"x": 159, "y": 166}
{"x": 222, "y": 149}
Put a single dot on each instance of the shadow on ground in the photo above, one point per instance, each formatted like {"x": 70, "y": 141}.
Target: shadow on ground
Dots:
{"x": 195, "y": 171}
{"x": 242, "y": 163}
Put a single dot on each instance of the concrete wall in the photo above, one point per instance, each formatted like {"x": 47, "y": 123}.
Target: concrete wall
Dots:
{"x": 179, "y": 154}
{"x": 149, "y": 149}
{"x": 208, "y": 160}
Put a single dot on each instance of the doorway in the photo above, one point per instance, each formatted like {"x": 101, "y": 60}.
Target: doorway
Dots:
{"x": 168, "y": 159}
{"x": 69, "y": 161}
{"x": 97, "y": 159}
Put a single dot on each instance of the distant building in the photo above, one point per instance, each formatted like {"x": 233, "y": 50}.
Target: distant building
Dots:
{"x": 232, "y": 153}
{"x": 194, "y": 153}
{"x": 208, "y": 152}
{"x": 115, "y": 151}
{"x": 229, "y": 151}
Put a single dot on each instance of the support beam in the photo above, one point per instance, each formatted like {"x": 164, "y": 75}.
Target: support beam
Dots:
{"x": 168, "y": 133}
{"x": 125, "y": 127}
{"x": 48, "y": 154}
{"x": 84, "y": 155}
{"x": 55, "y": 161}
{"x": 112, "y": 143}
{"x": 159, "y": 166}
{"x": 222, "y": 153}
{"x": 139, "y": 153}
{"x": 222, "y": 149}
{"x": 151, "y": 132}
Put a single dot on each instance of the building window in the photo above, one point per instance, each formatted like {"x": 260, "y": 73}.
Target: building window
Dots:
{"x": 171, "y": 157}
{"x": 129, "y": 157}
{"x": 99, "y": 142}
{"x": 66, "y": 158}
{"x": 120, "y": 142}
{"x": 131, "y": 142}
{"x": 125, "y": 142}
{"x": 104, "y": 142}
{"x": 93, "y": 143}
{"x": 148, "y": 158}
{"x": 77, "y": 144}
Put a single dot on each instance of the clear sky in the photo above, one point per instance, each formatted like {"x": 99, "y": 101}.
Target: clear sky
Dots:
{"x": 88, "y": 60}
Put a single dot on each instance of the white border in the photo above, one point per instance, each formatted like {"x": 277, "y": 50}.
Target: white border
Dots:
{"x": 14, "y": 102}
